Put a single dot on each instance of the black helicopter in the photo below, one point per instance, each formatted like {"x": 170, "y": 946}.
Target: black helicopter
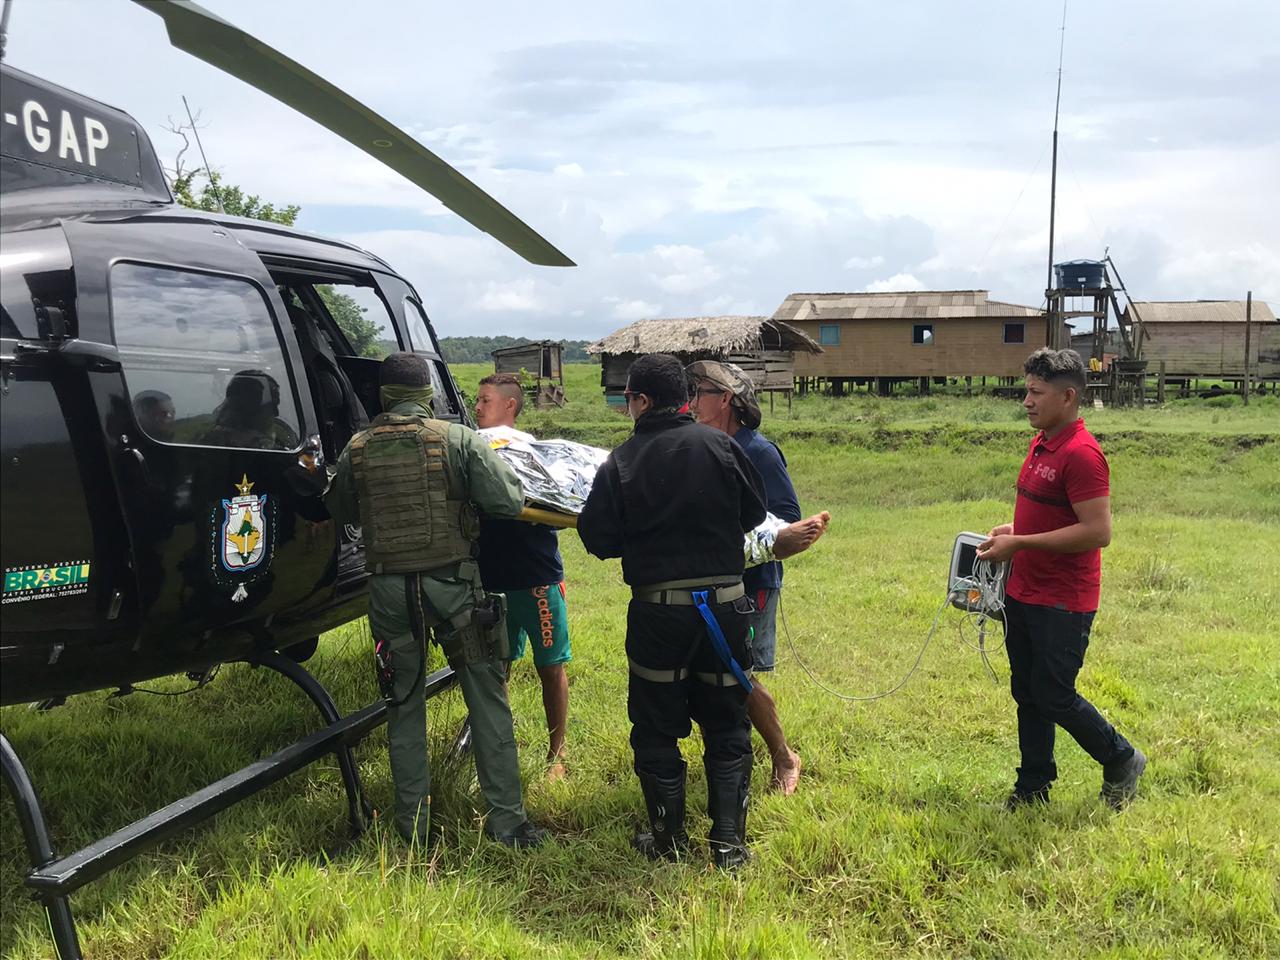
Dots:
{"x": 172, "y": 386}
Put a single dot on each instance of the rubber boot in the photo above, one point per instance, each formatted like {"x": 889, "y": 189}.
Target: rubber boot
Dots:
{"x": 664, "y": 801}
{"x": 728, "y": 792}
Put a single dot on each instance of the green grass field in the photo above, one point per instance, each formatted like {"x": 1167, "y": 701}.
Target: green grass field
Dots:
{"x": 891, "y": 848}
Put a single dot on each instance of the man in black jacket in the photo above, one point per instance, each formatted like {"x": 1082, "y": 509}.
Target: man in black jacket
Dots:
{"x": 673, "y": 502}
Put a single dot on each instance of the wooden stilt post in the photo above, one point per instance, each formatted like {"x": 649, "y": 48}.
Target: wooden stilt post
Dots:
{"x": 1160, "y": 385}
{"x": 1248, "y": 327}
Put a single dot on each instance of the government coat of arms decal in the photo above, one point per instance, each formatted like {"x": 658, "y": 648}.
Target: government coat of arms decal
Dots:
{"x": 243, "y": 541}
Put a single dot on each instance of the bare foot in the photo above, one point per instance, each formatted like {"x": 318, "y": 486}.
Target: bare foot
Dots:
{"x": 800, "y": 536}
{"x": 786, "y": 777}
{"x": 556, "y": 770}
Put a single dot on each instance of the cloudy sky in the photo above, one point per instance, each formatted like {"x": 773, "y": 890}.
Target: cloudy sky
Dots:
{"x": 712, "y": 157}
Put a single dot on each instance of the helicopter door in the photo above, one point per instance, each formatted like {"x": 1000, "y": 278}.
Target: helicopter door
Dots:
{"x": 207, "y": 428}
{"x": 420, "y": 337}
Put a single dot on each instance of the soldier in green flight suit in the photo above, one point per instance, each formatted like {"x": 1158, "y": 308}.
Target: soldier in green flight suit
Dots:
{"x": 413, "y": 484}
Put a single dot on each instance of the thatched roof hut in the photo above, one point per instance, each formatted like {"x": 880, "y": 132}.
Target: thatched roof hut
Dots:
{"x": 765, "y": 349}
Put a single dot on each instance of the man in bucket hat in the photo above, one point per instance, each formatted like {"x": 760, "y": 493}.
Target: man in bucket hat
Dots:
{"x": 722, "y": 396}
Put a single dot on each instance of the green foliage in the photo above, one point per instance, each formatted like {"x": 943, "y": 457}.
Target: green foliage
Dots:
{"x": 235, "y": 202}
{"x": 362, "y": 332}
{"x": 891, "y": 848}
{"x": 479, "y": 349}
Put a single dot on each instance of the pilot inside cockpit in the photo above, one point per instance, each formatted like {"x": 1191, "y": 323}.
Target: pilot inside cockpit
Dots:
{"x": 249, "y": 416}
{"x": 155, "y": 413}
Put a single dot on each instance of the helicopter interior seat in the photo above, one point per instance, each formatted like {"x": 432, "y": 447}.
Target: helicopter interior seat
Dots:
{"x": 340, "y": 411}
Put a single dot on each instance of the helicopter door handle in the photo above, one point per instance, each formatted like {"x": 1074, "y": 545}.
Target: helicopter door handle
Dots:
{"x": 142, "y": 461}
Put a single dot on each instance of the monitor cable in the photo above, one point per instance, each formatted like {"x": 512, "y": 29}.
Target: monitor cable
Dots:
{"x": 984, "y": 593}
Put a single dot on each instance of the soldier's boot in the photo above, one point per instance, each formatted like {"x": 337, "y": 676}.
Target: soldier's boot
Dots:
{"x": 664, "y": 800}
{"x": 728, "y": 792}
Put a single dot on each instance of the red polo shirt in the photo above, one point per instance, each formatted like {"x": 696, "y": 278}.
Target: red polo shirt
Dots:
{"x": 1067, "y": 469}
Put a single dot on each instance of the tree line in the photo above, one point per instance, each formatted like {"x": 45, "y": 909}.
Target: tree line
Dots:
{"x": 479, "y": 349}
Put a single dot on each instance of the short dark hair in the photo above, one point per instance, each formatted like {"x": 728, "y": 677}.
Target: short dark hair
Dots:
{"x": 1061, "y": 367}
{"x": 660, "y": 377}
{"x": 508, "y": 385}
{"x": 404, "y": 369}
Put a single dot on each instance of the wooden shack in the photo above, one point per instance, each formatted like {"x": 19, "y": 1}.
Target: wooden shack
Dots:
{"x": 765, "y": 349}
{"x": 543, "y": 365}
{"x": 924, "y": 334}
{"x": 1206, "y": 338}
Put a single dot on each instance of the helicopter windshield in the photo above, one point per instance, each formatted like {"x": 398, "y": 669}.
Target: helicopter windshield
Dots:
{"x": 202, "y": 359}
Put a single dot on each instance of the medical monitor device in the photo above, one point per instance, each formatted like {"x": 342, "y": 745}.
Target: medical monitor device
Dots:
{"x": 973, "y": 585}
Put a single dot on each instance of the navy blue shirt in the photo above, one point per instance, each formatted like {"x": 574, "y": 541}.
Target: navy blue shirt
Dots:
{"x": 779, "y": 497}
{"x": 515, "y": 555}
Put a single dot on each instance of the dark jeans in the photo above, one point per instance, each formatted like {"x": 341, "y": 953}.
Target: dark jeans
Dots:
{"x": 1046, "y": 651}
{"x": 665, "y": 637}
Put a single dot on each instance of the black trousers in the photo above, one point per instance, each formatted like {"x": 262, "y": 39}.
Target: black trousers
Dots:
{"x": 1046, "y": 651}
{"x": 667, "y": 637}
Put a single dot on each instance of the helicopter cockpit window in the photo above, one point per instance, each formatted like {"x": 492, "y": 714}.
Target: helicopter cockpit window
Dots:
{"x": 202, "y": 359}
{"x": 420, "y": 342}
{"x": 419, "y": 337}
{"x": 361, "y": 315}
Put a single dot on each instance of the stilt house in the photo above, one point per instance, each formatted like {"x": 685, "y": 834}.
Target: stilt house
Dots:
{"x": 905, "y": 335}
{"x": 1206, "y": 338}
{"x": 542, "y": 364}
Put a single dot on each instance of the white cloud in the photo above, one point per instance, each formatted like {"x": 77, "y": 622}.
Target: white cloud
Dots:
{"x": 700, "y": 175}
{"x": 509, "y": 298}
{"x": 636, "y": 310}
{"x": 863, "y": 263}
{"x": 727, "y": 306}
{"x": 683, "y": 269}
{"x": 1224, "y": 273}
{"x": 899, "y": 281}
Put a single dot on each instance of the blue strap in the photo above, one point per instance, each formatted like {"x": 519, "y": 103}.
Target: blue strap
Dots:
{"x": 718, "y": 641}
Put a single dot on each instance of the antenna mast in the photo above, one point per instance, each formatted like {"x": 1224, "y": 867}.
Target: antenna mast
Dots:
{"x": 4, "y": 27}
{"x": 1054, "y": 333}
{"x": 217, "y": 194}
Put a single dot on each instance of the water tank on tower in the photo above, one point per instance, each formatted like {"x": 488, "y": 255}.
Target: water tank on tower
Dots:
{"x": 1080, "y": 275}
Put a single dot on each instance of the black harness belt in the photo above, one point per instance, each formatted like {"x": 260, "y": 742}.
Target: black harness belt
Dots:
{"x": 680, "y": 592}
{"x": 674, "y": 676}
{"x": 694, "y": 593}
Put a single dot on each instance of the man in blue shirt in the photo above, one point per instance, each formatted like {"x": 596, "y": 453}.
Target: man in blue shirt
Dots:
{"x": 723, "y": 397}
{"x": 523, "y": 561}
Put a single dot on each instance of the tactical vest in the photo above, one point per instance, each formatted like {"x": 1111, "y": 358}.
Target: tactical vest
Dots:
{"x": 410, "y": 521}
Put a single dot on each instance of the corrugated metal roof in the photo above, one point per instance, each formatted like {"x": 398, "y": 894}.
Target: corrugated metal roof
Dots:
{"x": 1198, "y": 311}
{"x": 905, "y": 305}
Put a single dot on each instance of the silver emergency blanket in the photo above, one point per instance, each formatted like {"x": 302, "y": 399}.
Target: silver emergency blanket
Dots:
{"x": 557, "y": 474}
{"x": 757, "y": 546}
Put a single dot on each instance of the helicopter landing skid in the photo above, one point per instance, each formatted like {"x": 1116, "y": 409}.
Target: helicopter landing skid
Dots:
{"x": 53, "y": 879}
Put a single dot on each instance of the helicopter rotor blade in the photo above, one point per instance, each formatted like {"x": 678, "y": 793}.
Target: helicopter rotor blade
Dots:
{"x": 210, "y": 38}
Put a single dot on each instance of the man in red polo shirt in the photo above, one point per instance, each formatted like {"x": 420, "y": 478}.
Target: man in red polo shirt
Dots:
{"x": 1061, "y": 521}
